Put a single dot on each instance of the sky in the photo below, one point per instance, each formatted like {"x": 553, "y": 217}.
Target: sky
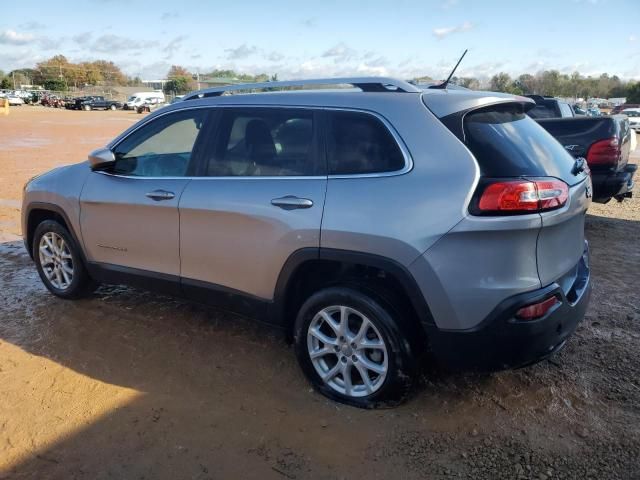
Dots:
{"x": 301, "y": 39}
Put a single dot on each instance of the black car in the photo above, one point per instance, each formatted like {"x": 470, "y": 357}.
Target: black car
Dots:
{"x": 604, "y": 142}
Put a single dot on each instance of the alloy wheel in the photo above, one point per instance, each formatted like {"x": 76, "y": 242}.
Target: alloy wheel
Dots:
{"x": 347, "y": 351}
{"x": 56, "y": 260}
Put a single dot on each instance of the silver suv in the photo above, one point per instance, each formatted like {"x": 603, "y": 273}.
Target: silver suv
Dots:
{"x": 375, "y": 224}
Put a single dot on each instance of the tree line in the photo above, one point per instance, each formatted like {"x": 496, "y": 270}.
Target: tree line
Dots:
{"x": 59, "y": 74}
{"x": 556, "y": 84}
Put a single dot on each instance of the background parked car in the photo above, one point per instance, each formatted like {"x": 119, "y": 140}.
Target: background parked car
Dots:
{"x": 138, "y": 99}
{"x": 594, "y": 112}
{"x": 604, "y": 141}
{"x": 634, "y": 117}
{"x": 15, "y": 100}
{"x": 624, "y": 106}
{"x": 96, "y": 102}
{"x": 578, "y": 110}
{"x": 150, "y": 104}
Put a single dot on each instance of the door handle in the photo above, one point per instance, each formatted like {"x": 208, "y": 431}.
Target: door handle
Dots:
{"x": 158, "y": 195}
{"x": 291, "y": 203}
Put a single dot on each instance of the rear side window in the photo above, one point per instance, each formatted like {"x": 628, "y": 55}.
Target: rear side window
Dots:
{"x": 565, "y": 110}
{"x": 542, "y": 111}
{"x": 507, "y": 143}
{"x": 359, "y": 143}
{"x": 265, "y": 142}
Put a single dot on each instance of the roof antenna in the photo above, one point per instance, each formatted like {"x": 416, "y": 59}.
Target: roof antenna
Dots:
{"x": 446, "y": 82}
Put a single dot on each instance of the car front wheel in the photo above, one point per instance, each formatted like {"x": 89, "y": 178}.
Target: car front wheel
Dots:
{"x": 59, "y": 262}
{"x": 351, "y": 348}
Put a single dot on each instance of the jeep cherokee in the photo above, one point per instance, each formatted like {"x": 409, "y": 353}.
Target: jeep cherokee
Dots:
{"x": 373, "y": 223}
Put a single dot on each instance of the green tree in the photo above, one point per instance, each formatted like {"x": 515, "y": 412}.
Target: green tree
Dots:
{"x": 55, "y": 84}
{"x": 178, "y": 71}
{"x": 633, "y": 92}
{"x": 527, "y": 83}
{"x": 5, "y": 83}
{"x": 178, "y": 85}
{"x": 550, "y": 82}
{"x": 468, "y": 82}
{"x": 502, "y": 82}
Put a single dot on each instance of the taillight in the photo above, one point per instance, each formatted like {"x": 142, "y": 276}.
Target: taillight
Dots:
{"x": 502, "y": 197}
{"x": 604, "y": 152}
{"x": 537, "y": 310}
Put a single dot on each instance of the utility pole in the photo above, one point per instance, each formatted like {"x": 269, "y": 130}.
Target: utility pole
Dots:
{"x": 13, "y": 75}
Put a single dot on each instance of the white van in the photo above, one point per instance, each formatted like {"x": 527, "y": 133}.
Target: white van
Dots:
{"x": 137, "y": 99}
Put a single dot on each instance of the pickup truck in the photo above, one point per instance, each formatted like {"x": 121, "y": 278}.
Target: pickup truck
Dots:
{"x": 96, "y": 102}
{"x": 603, "y": 141}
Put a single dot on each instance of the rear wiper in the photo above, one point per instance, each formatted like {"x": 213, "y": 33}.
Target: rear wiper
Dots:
{"x": 580, "y": 165}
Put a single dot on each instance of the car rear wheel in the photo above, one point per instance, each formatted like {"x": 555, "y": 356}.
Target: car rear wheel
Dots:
{"x": 59, "y": 262}
{"x": 112, "y": 107}
{"x": 87, "y": 108}
{"x": 352, "y": 350}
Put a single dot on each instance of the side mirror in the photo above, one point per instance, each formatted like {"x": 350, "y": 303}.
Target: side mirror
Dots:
{"x": 101, "y": 158}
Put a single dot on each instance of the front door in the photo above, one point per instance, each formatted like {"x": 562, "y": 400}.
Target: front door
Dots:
{"x": 261, "y": 199}
{"x": 129, "y": 213}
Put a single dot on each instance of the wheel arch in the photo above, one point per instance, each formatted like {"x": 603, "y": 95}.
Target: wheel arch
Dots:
{"x": 36, "y": 213}
{"x": 375, "y": 274}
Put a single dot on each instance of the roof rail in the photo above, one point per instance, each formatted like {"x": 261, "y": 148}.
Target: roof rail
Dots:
{"x": 366, "y": 84}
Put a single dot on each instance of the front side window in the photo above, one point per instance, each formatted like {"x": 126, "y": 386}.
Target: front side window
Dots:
{"x": 161, "y": 148}
{"x": 262, "y": 142}
{"x": 359, "y": 143}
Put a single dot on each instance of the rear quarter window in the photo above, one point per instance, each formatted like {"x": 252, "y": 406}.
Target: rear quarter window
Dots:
{"x": 359, "y": 143}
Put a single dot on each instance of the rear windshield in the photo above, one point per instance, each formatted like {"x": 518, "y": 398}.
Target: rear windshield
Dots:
{"x": 507, "y": 143}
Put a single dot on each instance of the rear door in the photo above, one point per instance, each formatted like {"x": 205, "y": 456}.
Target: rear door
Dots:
{"x": 260, "y": 198}
{"x": 129, "y": 213}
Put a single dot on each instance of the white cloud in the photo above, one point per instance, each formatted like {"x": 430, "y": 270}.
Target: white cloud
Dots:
{"x": 449, "y": 3}
{"x": 243, "y": 51}
{"x": 173, "y": 46}
{"x": 340, "y": 52}
{"x": 115, "y": 43}
{"x": 632, "y": 38}
{"x": 82, "y": 38}
{"x": 274, "y": 56}
{"x": 442, "y": 32}
{"x": 11, "y": 37}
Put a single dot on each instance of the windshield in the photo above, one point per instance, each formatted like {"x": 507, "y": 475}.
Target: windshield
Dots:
{"x": 632, "y": 113}
{"x": 508, "y": 143}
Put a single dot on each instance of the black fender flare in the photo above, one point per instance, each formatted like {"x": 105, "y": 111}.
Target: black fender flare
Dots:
{"x": 400, "y": 272}
{"x": 51, "y": 207}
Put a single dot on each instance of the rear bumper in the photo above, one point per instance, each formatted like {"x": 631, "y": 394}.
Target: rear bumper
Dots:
{"x": 501, "y": 341}
{"x": 607, "y": 185}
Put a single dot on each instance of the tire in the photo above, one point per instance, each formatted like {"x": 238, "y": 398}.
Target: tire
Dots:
{"x": 389, "y": 363}
{"x": 75, "y": 281}
{"x": 112, "y": 107}
{"x": 87, "y": 108}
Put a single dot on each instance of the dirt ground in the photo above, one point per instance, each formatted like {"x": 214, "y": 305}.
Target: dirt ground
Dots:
{"x": 133, "y": 385}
